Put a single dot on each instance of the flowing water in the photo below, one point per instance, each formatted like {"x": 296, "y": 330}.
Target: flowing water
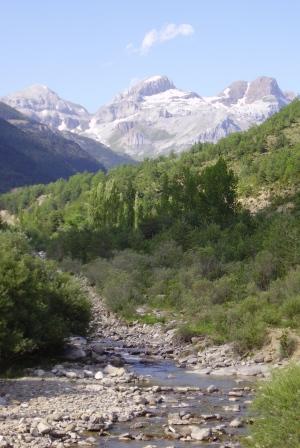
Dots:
{"x": 181, "y": 390}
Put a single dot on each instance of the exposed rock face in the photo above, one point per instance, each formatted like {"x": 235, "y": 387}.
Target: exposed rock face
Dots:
{"x": 42, "y": 104}
{"x": 154, "y": 116}
{"x": 151, "y": 86}
{"x": 233, "y": 93}
{"x": 263, "y": 87}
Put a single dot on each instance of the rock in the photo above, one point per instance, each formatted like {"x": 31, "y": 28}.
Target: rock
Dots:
{"x": 175, "y": 419}
{"x": 74, "y": 353}
{"x": 97, "y": 347}
{"x": 126, "y": 436}
{"x": 71, "y": 375}
{"x": 91, "y": 440}
{"x": 43, "y": 428}
{"x": 200, "y": 434}
{"x": 114, "y": 371}
{"x": 57, "y": 433}
{"x": 252, "y": 370}
{"x": 3, "y": 401}
{"x": 210, "y": 389}
{"x": 99, "y": 375}
{"x": 235, "y": 393}
{"x": 192, "y": 360}
{"x": 236, "y": 423}
{"x": 39, "y": 372}
{"x": 3, "y": 442}
{"x": 232, "y": 408}
{"x": 211, "y": 416}
{"x": 259, "y": 359}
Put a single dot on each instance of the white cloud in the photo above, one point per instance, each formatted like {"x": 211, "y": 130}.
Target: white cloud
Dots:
{"x": 167, "y": 32}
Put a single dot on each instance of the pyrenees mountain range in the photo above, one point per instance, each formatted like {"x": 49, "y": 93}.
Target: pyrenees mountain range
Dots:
{"x": 154, "y": 117}
{"x": 44, "y": 137}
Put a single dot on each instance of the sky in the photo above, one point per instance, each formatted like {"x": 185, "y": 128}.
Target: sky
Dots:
{"x": 90, "y": 50}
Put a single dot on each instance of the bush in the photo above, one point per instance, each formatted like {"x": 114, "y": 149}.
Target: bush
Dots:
{"x": 287, "y": 345}
{"x": 39, "y": 306}
{"x": 121, "y": 294}
{"x": 277, "y": 405}
{"x": 185, "y": 333}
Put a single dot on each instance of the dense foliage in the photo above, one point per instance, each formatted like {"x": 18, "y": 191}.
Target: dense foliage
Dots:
{"x": 171, "y": 233}
{"x": 39, "y": 306}
{"x": 277, "y": 406}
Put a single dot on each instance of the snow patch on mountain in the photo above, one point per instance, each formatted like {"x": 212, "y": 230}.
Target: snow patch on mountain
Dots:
{"x": 42, "y": 104}
{"x": 154, "y": 117}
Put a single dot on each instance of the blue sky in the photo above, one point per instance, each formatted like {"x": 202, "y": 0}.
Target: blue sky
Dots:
{"x": 89, "y": 50}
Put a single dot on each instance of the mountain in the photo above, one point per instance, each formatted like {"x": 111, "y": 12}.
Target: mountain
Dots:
{"x": 30, "y": 152}
{"x": 100, "y": 152}
{"x": 42, "y": 104}
{"x": 155, "y": 117}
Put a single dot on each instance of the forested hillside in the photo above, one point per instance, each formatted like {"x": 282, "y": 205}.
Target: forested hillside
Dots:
{"x": 172, "y": 233}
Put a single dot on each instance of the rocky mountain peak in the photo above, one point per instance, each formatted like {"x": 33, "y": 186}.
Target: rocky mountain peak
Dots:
{"x": 262, "y": 87}
{"x": 233, "y": 92}
{"x": 151, "y": 86}
{"x": 39, "y": 97}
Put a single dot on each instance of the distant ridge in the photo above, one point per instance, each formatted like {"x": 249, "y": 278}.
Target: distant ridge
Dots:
{"x": 154, "y": 117}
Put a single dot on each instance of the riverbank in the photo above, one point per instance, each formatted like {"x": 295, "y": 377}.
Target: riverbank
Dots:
{"x": 103, "y": 382}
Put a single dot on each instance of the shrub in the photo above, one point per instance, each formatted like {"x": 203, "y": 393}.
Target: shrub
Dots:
{"x": 121, "y": 294}
{"x": 264, "y": 269}
{"x": 287, "y": 345}
{"x": 39, "y": 306}
{"x": 185, "y": 333}
{"x": 291, "y": 310}
{"x": 277, "y": 405}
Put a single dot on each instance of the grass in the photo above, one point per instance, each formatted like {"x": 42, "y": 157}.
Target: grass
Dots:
{"x": 150, "y": 319}
{"x": 277, "y": 409}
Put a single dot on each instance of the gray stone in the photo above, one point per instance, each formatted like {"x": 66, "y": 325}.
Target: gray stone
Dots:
{"x": 114, "y": 371}
{"x": 210, "y": 389}
{"x": 200, "y": 434}
{"x": 236, "y": 423}
{"x": 99, "y": 375}
{"x": 43, "y": 428}
{"x": 71, "y": 375}
{"x": 74, "y": 353}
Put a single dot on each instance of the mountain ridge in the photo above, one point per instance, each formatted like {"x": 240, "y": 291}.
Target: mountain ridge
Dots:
{"x": 154, "y": 117}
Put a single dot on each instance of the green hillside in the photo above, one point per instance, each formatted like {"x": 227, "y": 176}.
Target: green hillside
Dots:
{"x": 174, "y": 234}
{"x": 30, "y": 153}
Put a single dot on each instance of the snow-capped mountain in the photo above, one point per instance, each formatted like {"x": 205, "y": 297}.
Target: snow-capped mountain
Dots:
{"x": 42, "y": 104}
{"x": 154, "y": 117}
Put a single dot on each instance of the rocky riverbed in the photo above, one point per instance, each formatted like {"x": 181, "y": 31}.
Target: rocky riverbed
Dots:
{"x": 107, "y": 388}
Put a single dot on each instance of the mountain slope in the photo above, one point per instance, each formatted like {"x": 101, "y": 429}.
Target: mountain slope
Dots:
{"x": 42, "y": 104}
{"x": 106, "y": 156}
{"x": 155, "y": 117}
{"x": 31, "y": 153}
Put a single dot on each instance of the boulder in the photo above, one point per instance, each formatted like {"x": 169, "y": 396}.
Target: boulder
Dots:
{"x": 97, "y": 347}
{"x": 74, "y": 353}
{"x": 43, "y": 428}
{"x": 99, "y": 375}
{"x": 114, "y": 371}
{"x": 71, "y": 375}
{"x": 200, "y": 434}
{"x": 236, "y": 423}
{"x": 210, "y": 389}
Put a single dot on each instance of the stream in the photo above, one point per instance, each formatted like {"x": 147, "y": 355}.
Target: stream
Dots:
{"x": 183, "y": 392}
